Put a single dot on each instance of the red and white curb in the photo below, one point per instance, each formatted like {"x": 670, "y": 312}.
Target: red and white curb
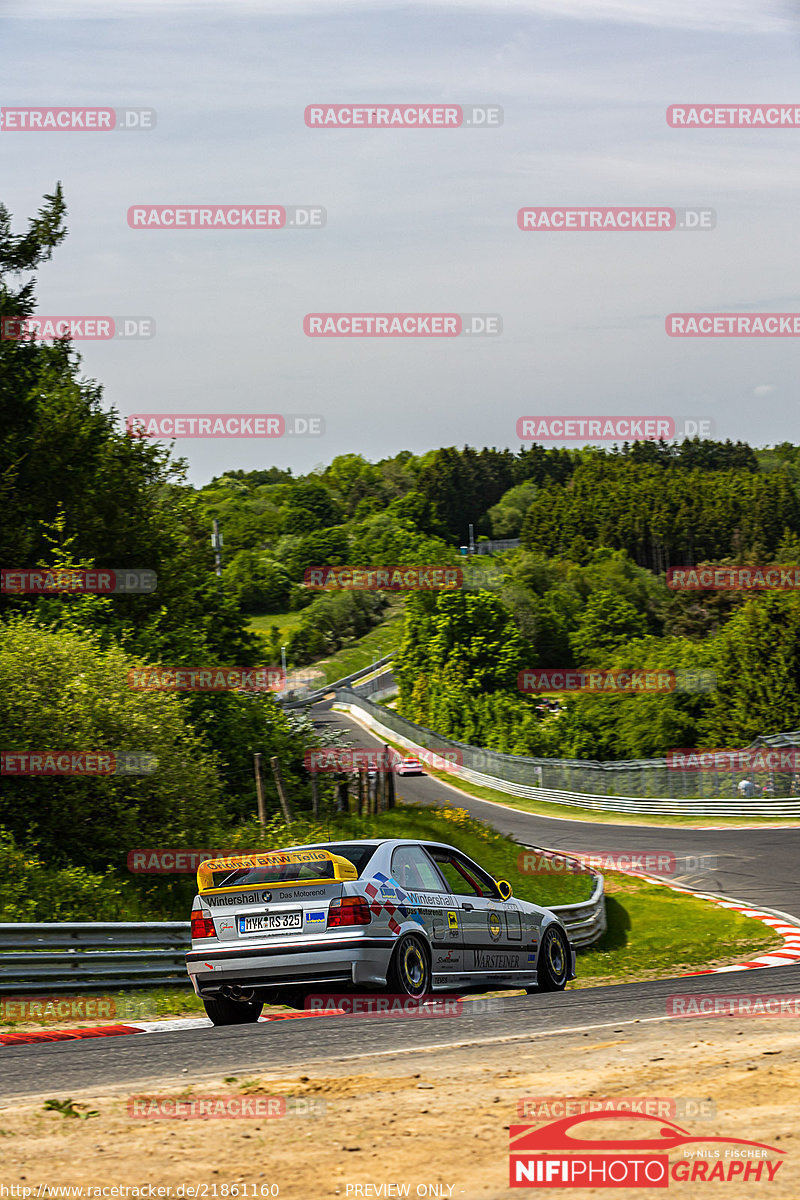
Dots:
{"x": 786, "y": 955}
{"x": 120, "y": 1030}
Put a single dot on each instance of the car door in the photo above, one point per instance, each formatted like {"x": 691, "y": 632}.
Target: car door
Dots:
{"x": 494, "y": 943}
{"x": 426, "y": 892}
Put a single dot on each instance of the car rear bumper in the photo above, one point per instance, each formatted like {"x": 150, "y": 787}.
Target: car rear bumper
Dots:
{"x": 359, "y": 960}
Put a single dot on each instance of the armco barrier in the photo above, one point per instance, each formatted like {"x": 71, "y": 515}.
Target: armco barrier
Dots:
{"x": 38, "y": 957}
{"x": 73, "y": 956}
{"x": 535, "y": 778}
{"x": 345, "y": 681}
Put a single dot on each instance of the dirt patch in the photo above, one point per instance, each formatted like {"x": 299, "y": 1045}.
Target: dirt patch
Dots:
{"x": 424, "y": 1120}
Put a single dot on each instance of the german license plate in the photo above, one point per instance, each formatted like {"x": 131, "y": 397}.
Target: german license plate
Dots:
{"x": 277, "y": 922}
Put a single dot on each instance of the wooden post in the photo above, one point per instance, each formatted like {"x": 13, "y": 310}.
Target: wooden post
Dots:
{"x": 275, "y": 763}
{"x": 342, "y": 795}
{"x": 390, "y": 799}
{"x": 262, "y": 812}
{"x": 314, "y": 794}
{"x": 363, "y": 793}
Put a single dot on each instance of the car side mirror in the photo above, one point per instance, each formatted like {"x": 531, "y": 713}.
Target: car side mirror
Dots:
{"x": 505, "y": 889}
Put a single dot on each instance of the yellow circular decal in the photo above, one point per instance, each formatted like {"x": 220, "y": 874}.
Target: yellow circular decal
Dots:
{"x": 494, "y": 926}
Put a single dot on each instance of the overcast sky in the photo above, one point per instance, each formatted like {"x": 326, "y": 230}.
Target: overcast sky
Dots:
{"x": 417, "y": 220}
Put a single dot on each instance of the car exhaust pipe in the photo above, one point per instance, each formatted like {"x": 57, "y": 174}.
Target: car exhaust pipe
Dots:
{"x": 234, "y": 992}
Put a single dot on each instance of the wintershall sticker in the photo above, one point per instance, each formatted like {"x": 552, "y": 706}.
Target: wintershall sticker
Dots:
{"x": 386, "y": 324}
{"x": 764, "y": 1004}
{"x": 99, "y": 329}
{"x": 761, "y": 578}
{"x": 752, "y": 758}
{"x": 105, "y": 582}
{"x": 733, "y": 324}
{"x": 733, "y": 116}
{"x": 402, "y": 116}
{"x": 616, "y": 681}
{"x": 62, "y": 120}
{"x": 375, "y": 579}
{"x": 226, "y": 216}
{"x": 76, "y": 762}
{"x": 214, "y": 679}
{"x": 223, "y": 425}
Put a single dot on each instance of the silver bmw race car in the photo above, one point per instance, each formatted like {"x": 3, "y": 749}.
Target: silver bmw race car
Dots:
{"x": 410, "y": 917}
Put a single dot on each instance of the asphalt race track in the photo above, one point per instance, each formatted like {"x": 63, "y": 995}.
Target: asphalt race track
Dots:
{"x": 758, "y": 866}
{"x": 761, "y": 866}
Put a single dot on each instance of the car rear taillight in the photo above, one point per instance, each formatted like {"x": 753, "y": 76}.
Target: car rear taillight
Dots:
{"x": 350, "y": 910}
{"x": 202, "y": 926}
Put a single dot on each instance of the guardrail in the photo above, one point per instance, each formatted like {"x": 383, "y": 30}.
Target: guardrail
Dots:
{"x": 584, "y": 922}
{"x": 43, "y": 956}
{"x": 76, "y": 956}
{"x": 527, "y": 777}
{"x": 345, "y": 681}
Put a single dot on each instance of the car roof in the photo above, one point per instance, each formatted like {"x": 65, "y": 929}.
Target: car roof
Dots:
{"x": 367, "y": 842}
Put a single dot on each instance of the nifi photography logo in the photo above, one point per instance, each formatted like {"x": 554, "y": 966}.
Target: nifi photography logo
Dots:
{"x": 556, "y": 1155}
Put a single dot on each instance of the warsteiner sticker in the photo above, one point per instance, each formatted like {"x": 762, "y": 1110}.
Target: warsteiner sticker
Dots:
{"x": 491, "y": 961}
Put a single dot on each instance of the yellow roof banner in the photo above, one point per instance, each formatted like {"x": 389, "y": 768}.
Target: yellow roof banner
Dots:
{"x": 342, "y": 868}
{"x": 274, "y": 858}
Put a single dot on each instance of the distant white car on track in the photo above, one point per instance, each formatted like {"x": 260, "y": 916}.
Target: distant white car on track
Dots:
{"x": 410, "y": 917}
{"x": 409, "y": 766}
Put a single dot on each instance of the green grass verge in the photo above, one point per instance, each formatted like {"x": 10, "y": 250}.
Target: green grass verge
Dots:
{"x": 287, "y": 622}
{"x": 381, "y": 640}
{"x": 655, "y": 932}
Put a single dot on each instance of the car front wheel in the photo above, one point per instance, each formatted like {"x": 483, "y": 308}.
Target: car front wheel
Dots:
{"x": 223, "y": 1011}
{"x": 554, "y": 961}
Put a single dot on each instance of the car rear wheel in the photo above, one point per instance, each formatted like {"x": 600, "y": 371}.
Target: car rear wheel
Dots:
{"x": 223, "y": 1011}
{"x": 554, "y": 961}
{"x": 409, "y": 971}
